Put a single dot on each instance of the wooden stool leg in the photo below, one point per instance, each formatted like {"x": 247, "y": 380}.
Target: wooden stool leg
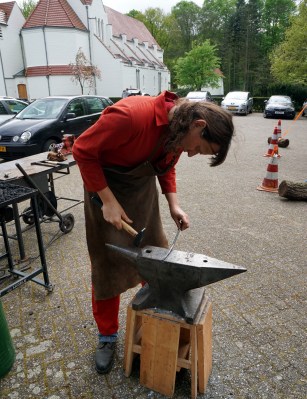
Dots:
{"x": 129, "y": 342}
{"x": 193, "y": 362}
{"x": 160, "y": 340}
{"x": 204, "y": 339}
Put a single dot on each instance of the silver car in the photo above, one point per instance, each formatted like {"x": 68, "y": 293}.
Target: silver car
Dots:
{"x": 199, "y": 96}
{"x": 238, "y": 102}
{"x": 9, "y": 107}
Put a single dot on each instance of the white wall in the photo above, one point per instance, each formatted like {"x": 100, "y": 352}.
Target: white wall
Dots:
{"x": 37, "y": 87}
{"x": 10, "y": 48}
{"x": 219, "y": 91}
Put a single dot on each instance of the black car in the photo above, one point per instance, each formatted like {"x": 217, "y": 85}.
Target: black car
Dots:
{"x": 44, "y": 122}
{"x": 279, "y": 107}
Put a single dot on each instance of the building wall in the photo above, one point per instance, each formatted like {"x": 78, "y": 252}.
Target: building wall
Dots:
{"x": 11, "y": 55}
{"x": 45, "y": 46}
{"x": 219, "y": 91}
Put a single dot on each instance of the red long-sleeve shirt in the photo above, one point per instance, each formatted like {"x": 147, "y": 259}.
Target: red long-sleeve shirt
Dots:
{"x": 125, "y": 135}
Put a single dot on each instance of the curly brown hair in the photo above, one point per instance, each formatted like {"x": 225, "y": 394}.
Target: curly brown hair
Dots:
{"x": 219, "y": 128}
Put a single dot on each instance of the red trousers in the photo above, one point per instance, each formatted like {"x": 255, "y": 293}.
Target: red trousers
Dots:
{"x": 105, "y": 313}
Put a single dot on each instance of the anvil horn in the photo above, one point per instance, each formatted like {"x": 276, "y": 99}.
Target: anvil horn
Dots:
{"x": 170, "y": 280}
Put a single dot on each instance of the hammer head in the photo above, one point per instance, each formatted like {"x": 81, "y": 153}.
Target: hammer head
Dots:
{"x": 139, "y": 237}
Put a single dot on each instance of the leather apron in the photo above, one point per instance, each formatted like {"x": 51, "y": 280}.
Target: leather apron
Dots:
{"x": 136, "y": 191}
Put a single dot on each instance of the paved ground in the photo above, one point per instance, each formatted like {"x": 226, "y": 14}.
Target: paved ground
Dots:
{"x": 259, "y": 318}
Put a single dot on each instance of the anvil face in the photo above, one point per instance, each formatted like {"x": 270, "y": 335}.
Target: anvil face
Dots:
{"x": 170, "y": 280}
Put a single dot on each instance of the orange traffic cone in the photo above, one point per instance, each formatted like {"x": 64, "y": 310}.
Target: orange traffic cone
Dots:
{"x": 273, "y": 143}
{"x": 270, "y": 182}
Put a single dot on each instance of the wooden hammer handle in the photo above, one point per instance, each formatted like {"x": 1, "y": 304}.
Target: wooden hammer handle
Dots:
{"x": 129, "y": 229}
{"x": 96, "y": 199}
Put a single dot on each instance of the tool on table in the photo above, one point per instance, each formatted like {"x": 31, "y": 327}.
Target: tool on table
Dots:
{"x": 47, "y": 163}
{"x": 138, "y": 236}
{"x": 174, "y": 242}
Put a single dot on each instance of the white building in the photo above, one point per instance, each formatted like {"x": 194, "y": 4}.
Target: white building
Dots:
{"x": 38, "y": 52}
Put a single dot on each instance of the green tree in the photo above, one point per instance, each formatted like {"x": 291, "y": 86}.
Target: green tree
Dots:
{"x": 83, "y": 71}
{"x": 289, "y": 59}
{"x": 275, "y": 19}
{"x": 187, "y": 16}
{"x": 27, "y": 6}
{"x": 214, "y": 16}
{"x": 197, "y": 68}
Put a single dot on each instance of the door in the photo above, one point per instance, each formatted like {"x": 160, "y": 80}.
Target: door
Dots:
{"x": 22, "y": 91}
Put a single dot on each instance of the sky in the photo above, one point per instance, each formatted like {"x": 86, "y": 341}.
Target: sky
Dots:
{"x": 125, "y": 6}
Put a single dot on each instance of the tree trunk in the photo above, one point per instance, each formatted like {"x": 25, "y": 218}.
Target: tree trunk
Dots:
{"x": 293, "y": 191}
{"x": 281, "y": 142}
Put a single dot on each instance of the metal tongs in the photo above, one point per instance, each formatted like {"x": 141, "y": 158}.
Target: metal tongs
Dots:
{"x": 173, "y": 243}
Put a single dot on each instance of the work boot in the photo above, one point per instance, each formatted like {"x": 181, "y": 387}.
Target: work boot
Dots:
{"x": 104, "y": 357}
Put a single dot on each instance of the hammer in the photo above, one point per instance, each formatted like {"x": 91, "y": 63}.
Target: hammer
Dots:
{"x": 138, "y": 236}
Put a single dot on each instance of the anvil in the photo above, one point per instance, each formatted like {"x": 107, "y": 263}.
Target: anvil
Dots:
{"x": 172, "y": 282}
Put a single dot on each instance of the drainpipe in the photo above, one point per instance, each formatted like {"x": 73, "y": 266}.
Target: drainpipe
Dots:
{"x": 47, "y": 62}
{"x": 90, "y": 45}
{"x": 1, "y": 62}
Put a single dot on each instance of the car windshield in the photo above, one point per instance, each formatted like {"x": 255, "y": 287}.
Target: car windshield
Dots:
{"x": 43, "y": 109}
{"x": 236, "y": 95}
{"x": 279, "y": 99}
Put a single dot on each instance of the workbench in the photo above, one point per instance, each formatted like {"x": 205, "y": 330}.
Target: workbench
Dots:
{"x": 11, "y": 194}
{"x": 42, "y": 175}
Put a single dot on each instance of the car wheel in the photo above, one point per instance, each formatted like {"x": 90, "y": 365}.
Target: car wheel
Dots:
{"x": 48, "y": 145}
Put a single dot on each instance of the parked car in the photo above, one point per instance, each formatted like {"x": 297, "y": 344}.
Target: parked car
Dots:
{"x": 9, "y": 107}
{"x": 44, "y": 122}
{"x": 131, "y": 92}
{"x": 304, "y": 113}
{"x": 199, "y": 96}
{"x": 279, "y": 106}
{"x": 238, "y": 102}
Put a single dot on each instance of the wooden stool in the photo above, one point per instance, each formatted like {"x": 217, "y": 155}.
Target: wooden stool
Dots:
{"x": 166, "y": 344}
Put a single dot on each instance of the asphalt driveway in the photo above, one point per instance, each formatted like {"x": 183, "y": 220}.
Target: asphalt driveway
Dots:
{"x": 259, "y": 317}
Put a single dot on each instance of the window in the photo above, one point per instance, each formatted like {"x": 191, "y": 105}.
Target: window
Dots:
{"x": 2, "y": 109}
{"x": 95, "y": 105}
{"x": 15, "y": 106}
{"x": 76, "y": 107}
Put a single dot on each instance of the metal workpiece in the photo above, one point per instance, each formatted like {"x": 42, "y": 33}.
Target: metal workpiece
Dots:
{"x": 172, "y": 280}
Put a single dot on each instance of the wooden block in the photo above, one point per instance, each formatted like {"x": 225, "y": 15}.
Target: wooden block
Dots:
{"x": 129, "y": 341}
{"x": 160, "y": 340}
{"x": 167, "y": 344}
{"x": 204, "y": 339}
{"x": 193, "y": 362}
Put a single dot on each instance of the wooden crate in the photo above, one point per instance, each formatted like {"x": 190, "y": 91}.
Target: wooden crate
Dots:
{"x": 166, "y": 344}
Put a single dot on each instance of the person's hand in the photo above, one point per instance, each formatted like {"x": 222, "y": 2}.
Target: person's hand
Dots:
{"x": 112, "y": 210}
{"x": 113, "y": 213}
{"x": 181, "y": 218}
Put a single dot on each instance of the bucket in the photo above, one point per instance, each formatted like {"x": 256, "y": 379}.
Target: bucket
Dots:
{"x": 7, "y": 351}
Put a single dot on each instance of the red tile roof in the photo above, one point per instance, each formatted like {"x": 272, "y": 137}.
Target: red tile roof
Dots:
{"x": 49, "y": 70}
{"x": 7, "y": 8}
{"x": 122, "y": 24}
{"x": 87, "y": 2}
{"x": 54, "y": 13}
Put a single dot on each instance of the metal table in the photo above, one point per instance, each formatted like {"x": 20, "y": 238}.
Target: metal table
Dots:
{"x": 11, "y": 194}
{"x": 41, "y": 176}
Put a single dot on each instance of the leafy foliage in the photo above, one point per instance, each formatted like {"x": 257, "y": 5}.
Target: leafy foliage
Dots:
{"x": 289, "y": 59}
{"x": 83, "y": 71}
{"x": 27, "y": 6}
{"x": 197, "y": 68}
